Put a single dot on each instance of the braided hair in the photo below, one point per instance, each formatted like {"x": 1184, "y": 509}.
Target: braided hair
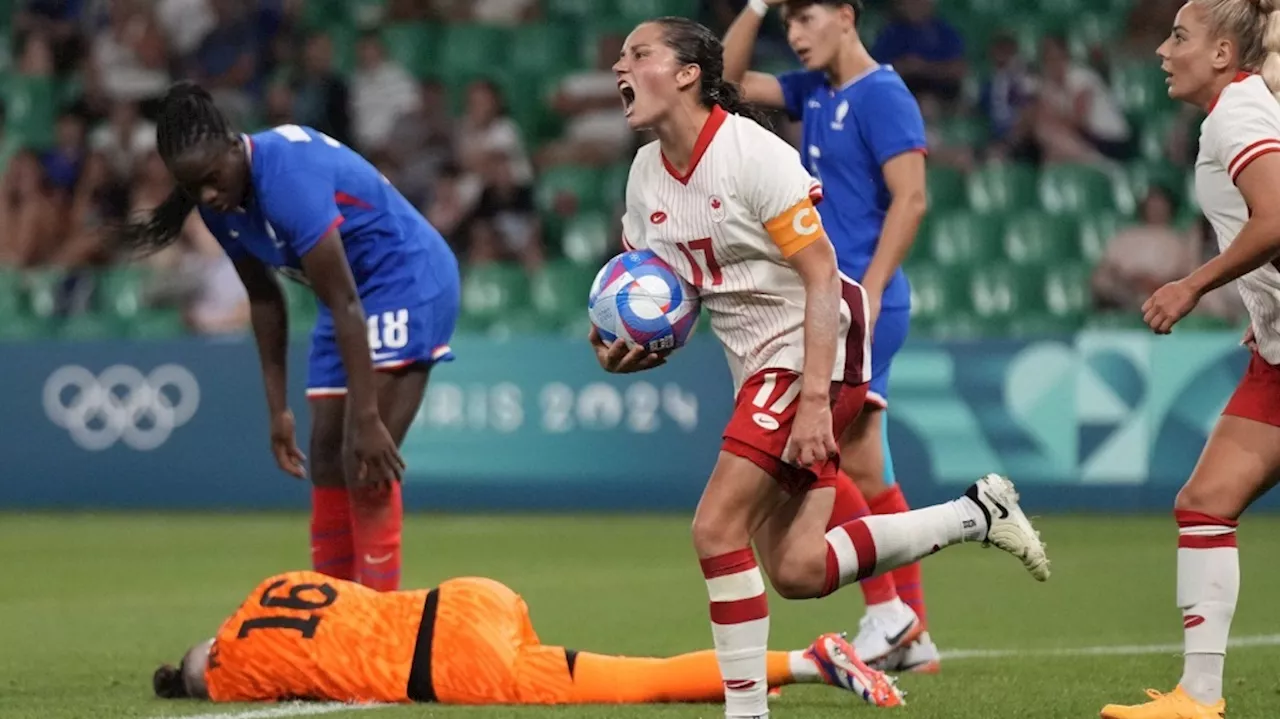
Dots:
{"x": 188, "y": 119}
{"x": 695, "y": 44}
{"x": 168, "y": 684}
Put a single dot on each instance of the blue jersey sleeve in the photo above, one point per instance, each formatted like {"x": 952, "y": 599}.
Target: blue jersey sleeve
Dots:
{"x": 230, "y": 245}
{"x": 895, "y": 125}
{"x": 301, "y": 207}
{"x": 797, "y": 87}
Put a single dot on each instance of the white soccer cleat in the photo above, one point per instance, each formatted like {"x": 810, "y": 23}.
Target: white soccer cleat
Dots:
{"x": 840, "y": 667}
{"x": 1007, "y": 527}
{"x": 919, "y": 657}
{"x": 885, "y": 630}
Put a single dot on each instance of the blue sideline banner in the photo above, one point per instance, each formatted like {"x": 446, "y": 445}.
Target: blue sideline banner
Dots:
{"x": 1098, "y": 421}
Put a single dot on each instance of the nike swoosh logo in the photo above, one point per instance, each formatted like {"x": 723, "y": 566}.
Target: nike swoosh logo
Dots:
{"x": 370, "y": 559}
{"x": 383, "y": 356}
{"x": 896, "y": 639}
{"x": 1004, "y": 513}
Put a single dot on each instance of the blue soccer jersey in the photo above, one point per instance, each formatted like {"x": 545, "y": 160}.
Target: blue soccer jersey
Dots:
{"x": 306, "y": 184}
{"x": 849, "y": 133}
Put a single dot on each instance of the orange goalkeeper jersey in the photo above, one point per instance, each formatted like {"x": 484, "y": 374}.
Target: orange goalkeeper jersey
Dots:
{"x": 304, "y": 635}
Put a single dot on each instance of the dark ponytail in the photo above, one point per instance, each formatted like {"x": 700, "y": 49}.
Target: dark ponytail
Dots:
{"x": 695, "y": 44}
{"x": 188, "y": 118}
{"x": 168, "y": 684}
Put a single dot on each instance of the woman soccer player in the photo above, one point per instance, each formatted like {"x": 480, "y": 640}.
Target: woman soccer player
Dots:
{"x": 864, "y": 139}
{"x": 728, "y": 205}
{"x": 298, "y": 201}
{"x": 1211, "y": 56}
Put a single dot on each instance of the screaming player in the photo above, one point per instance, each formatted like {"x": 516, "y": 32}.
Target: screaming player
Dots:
{"x": 387, "y": 285}
{"x": 863, "y": 137}
{"x": 305, "y": 635}
{"x": 1212, "y": 57}
{"x": 728, "y": 205}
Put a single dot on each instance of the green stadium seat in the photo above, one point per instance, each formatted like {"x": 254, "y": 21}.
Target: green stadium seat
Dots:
{"x": 1042, "y": 325}
{"x": 548, "y": 49}
{"x": 413, "y": 45}
{"x": 302, "y": 306}
{"x": 11, "y": 293}
{"x": 1154, "y": 128}
{"x": 23, "y": 326}
{"x": 577, "y": 10}
{"x": 88, "y": 326}
{"x": 469, "y": 51}
{"x": 1066, "y": 290}
{"x": 490, "y": 291}
{"x": 1074, "y": 189}
{"x": 157, "y": 325}
{"x": 42, "y": 288}
{"x": 1035, "y": 238}
{"x": 637, "y": 11}
{"x": 1095, "y": 231}
{"x": 1004, "y": 290}
{"x": 945, "y": 187}
{"x": 583, "y": 183}
{"x": 989, "y": 8}
{"x": 31, "y": 106}
{"x": 937, "y": 292}
{"x": 522, "y": 322}
{"x": 963, "y": 238}
{"x": 1093, "y": 29}
{"x": 325, "y": 14}
{"x": 1132, "y": 185}
{"x": 967, "y": 325}
{"x": 969, "y": 131}
{"x": 1140, "y": 86}
{"x": 120, "y": 291}
{"x": 1029, "y": 30}
{"x": 615, "y": 185}
{"x": 561, "y": 289}
{"x": 1000, "y": 187}
{"x": 589, "y": 239}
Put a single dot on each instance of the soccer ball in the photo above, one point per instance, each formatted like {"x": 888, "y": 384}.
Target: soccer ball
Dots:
{"x": 638, "y": 297}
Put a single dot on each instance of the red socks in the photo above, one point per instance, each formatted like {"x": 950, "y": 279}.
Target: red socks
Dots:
{"x": 850, "y": 505}
{"x": 377, "y": 517}
{"x": 332, "y": 551}
{"x": 906, "y": 578}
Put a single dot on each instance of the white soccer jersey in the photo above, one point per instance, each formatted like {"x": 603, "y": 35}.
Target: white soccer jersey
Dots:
{"x": 1243, "y": 125}
{"x": 727, "y": 226}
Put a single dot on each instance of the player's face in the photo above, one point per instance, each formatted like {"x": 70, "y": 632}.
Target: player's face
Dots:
{"x": 1193, "y": 57}
{"x": 649, "y": 77}
{"x": 814, "y": 33}
{"x": 215, "y": 174}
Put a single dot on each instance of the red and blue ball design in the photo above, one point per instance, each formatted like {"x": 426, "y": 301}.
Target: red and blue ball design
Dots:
{"x": 638, "y": 297}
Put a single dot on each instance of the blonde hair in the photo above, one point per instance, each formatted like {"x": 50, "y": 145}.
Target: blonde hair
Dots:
{"x": 1255, "y": 26}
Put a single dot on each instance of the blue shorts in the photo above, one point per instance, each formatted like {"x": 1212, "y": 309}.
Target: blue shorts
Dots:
{"x": 398, "y": 337}
{"x": 890, "y": 333}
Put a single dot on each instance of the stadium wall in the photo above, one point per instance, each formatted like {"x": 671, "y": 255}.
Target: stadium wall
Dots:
{"x": 1098, "y": 421}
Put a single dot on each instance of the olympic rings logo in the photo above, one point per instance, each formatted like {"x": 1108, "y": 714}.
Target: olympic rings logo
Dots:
{"x": 121, "y": 404}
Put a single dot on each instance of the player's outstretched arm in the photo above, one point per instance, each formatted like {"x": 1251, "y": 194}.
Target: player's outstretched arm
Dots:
{"x": 758, "y": 88}
{"x": 325, "y": 264}
{"x": 269, "y": 317}
{"x": 1257, "y": 244}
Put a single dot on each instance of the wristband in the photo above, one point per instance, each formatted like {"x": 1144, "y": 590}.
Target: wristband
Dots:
{"x": 759, "y": 7}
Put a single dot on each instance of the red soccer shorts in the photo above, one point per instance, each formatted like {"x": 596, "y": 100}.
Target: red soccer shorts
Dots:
{"x": 1257, "y": 397}
{"x": 761, "y": 425}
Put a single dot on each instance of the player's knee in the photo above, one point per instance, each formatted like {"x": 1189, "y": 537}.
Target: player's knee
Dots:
{"x": 799, "y": 577}
{"x": 715, "y": 535}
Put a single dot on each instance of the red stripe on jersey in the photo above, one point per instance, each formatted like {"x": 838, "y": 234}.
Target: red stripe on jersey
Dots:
{"x": 732, "y": 563}
{"x": 1270, "y": 147}
{"x": 332, "y": 226}
{"x": 343, "y": 198}
{"x": 743, "y": 610}
{"x": 708, "y": 133}
{"x": 1240, "y": 77}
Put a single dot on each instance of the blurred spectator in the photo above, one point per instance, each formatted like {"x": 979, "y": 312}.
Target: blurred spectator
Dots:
{"x": 226, "y": 62}
{"x": 449, "y": 207}
{"x": 925, "y": 50}
{"x": 62, "y": 163}
{"x": 489, "y": 12}
{"x": 9, "y": 145}
{"x": 1077, "y": 117}
{"x": 382, "y": 93}
{"x": 123, "y": 140}
{"x": 485, "y": 128}
{"x": 1139, "y": 260}
{"x": 186, "y": 23}
{"x": 320, "y": 96}
{"x": 942, "y": 151}
{"x": 129, "y": 62}
{"x": 57, "y": 20}
{"x": 29, "y": 213}
{"x": 596, "y": 132}
{"x": 35, "y": 57}
{"x": 771, "y": 46}
{"x": 195, "y": 275}
{"x": 505, "y": 225}
{"x": 408, "y": 11}
{"x": 1147, "y": 26}
{"x": 422, "y": 142}
{"x": 278, "y": 105}
{"x": 1006, "y": 96}
{"x": 95, "y": 203}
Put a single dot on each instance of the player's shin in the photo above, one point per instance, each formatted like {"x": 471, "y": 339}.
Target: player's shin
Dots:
{"x": 332, "y": 547}
{"x": 377, "y": 518}
{"x": 907, "y": 578}
{"x": 740, "y": 628}
{"x": 881, "y": 543}
{"x": 1208, "y": 587}
{"x": 850, "y": 505}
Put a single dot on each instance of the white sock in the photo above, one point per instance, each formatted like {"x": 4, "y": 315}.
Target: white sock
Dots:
{"x": 883, "y": 542}
{"x": 888, "y": 611}
{"x": 803, "y": 669}
{"x": 740, "y": 628}
{"x": 1208, "y": 588}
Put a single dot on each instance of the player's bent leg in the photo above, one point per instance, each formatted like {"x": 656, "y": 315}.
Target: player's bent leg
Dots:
{"x": 378, "y": 512}
{"x": 332, "y": 541}
{"x": 735, "y": 503}
{"x": 1239, "y": 464}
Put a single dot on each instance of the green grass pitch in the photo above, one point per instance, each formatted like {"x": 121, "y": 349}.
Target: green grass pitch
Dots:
{"x": 89, "y": 604}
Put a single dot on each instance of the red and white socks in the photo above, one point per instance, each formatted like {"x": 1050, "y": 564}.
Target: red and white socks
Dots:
{"x": 740, "y": 628}
{"x": 1208, "y": 587}
{"x": 907, "y": 581}
{"x": 850, "y": 505}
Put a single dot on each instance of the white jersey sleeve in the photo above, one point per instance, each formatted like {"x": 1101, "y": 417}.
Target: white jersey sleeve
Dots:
{"x": 782, "y": 196}
{"x": 1246, "y": 128}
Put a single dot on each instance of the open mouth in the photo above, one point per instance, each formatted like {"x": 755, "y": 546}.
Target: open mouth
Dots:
{"x": 628, "y": 97}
